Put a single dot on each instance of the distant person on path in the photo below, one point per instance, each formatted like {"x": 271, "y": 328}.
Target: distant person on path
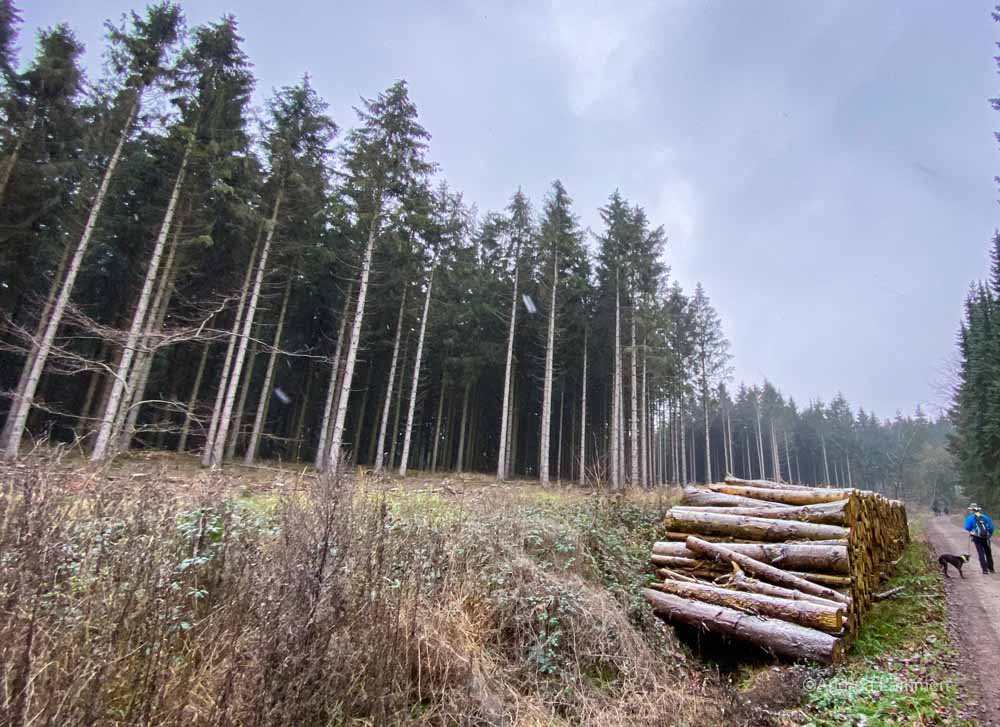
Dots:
{"x": 980, "y": 529}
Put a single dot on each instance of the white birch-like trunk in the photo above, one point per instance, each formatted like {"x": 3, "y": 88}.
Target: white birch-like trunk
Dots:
{"x": 788, "y": 457}
{"x": 322, "y": 446}
{"x": 760, "y": 445}
{"x": 245, "y": 377}
{"x": 775, "y": 456}
{"x": 386, "y": 406}
{"x": 227, "y": 365}
{"x": 502, "y": 468}
{"x": 583, "y": 417}
{"x": 265, "y": 394}
{"x": 43, "y": 319}
{"x": 459, "y": 460}
{"x": 22, "y": 406}
{"x": 333, "y": 456}
{"x": 826, "y": 464}
{"x": 131, "y": 405}
{"x": 105, "y": 434}
{"x": 544, "y": 454}
{"x": 193, "y": 400}
{"x": 221, "y": 434}
{"x": 408, "y": 431}
{"x": 850, "y": 480}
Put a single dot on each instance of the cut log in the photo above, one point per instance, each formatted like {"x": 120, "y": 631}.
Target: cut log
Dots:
{"x": 741, "y": 582}
{"x": 793, "y": 556}
{"x": 704, "y": 496}
{"x": 742, "y": 527}
{"x": 809, "y": 496}
{"x": 804, "y": 613}
{"x": 773, "y": 635}
{"x": 828, "y": 513}
{"x": 762, "y": 570}
{"x": 771, "y": 484}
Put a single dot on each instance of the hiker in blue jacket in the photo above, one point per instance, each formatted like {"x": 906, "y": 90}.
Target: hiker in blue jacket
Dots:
{"x": 980, "y": 529}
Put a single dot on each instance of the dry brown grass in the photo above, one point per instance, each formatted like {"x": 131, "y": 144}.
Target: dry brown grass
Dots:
{"x": 127, "y": 601}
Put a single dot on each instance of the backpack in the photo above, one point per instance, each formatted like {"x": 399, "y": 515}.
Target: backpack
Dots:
{"x": 979, "y": 528}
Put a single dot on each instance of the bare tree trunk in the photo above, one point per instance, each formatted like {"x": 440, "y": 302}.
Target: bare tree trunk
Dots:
{"x": 416, "y": 379}
{"x": 300, "y": 427}
{"x": 227, "y": 408}
{"x": 360, "y": 421}
{"x": 683, "y": 443}
{"x": 616, "y": 399}
{"x": 544, "y": 445}
{"x": 437, "y": 426}
{"x": 461, "y": 433}
{"x": 105, "y": 434}
{"x": 132, "y": 404}
{"x": 265, "y": 394}
{"x": 775, "y": 455}
{"x": 193, "y": 400}
{"x": 21, "y": 406}
{"x": 826, "y": 464}
{"x": 246, "y": 377}
{"x": 324, "y": 430}
{"x": 583, "y": 417}
{"x": 788, "y": 457}
{"x": 635, "y": 475}
{"x": 644, "y": 423}
{"x": 760, "y": 444}
{"x": 43, "y": 319}
{"x": 227, "y": 372}
{"x": 333, "y": 457}
{"x": 399, "y": 406}
{"x": 502, "y": 467}
{"x": 850, "y": 480}
{"x": 380, "y": 452}
{"x": 562, "y": 408}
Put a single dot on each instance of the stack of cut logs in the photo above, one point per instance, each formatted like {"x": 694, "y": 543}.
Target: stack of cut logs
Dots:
{"x": 789, "y": 568}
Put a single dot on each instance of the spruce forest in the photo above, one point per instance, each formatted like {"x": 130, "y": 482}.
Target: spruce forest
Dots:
{"x": 303, "y": 285}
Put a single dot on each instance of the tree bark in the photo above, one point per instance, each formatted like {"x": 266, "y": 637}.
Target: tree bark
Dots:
{"x": 459, "y": 461}
{"x": 583, "y": 417}
{"x": 833, "y": 513}
{"x": 764, "y": 571}
{"x": 826, "y": 464}
{"x": 634, "y": 476}
{"x": 749, "y": 528}
{"x": 437, "y": 425}
{"x": 219, "y": 444}
{"x": 324, "y": 430}
{"x": 778, "y": 637}
{"x": 265, "y": 393}
{"x": 246, "y": 377}
{"x": 811, "y": 557}
{"x": 805, "y": 613}
{"x": 21, "y": 406}
{"x": 502, "y": 467}
{"x": 643, "y": 426}
{"x": 544, "y": 444}
{"x": 105, "y": 434}
{"x": 803, "y": 496}
{"x": 407, "y": 434}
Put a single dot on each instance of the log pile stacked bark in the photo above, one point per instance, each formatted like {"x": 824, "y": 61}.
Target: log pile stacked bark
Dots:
{"x": 790, "y": 568}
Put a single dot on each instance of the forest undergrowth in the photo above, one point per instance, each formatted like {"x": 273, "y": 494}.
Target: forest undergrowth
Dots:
{"x": 127, "y": 601}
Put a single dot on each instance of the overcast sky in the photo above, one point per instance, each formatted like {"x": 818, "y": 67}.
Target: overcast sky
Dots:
{"x": 825, "y": 169}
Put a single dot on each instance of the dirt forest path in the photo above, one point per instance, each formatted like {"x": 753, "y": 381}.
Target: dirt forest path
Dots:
{"x": 974, "y": 604}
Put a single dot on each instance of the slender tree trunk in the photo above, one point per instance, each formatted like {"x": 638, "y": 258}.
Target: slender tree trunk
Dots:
{"x": 502, "y": 467}
{"x": 105, "y": 434}
{"x": 43, "y": 319}
{"x": 826, "y": 463}
{"x": 193, "y": 400}
{"x": 616, "y": 402}
{"x": 399, "y": 407}
{"x": 562, "y": 408}
{"x": 788, "y": 457}
{"x": 544, "y": 444}
{"x": 683, "y": 455}
{"x": 461, "y": 433}
{"x": 360, "y": 421}
{"x": 407, "y": 433}
{"x": 324, "y": 430}
{"x": 437, "y": 426}
{"x": 644, "y": 424}
{"x": 380, "y": 452}
{"x": 333, "y": 457}
{"x": 246, "y": 379}
{"x": 300, "y": 427}
{"x": 265, "y": 393}
{"x": 635, "y": 476}
{"x": 227, "y": 408}
{"x": 227, "y": 367}
{"x": 21, "y": 406}
{"x": 132, "y": 404}
{"x": 7, "y": 170}
{"x": 850, "y": 480}
{"x": 760, "y": 445}
{"x": 583, "y": 417}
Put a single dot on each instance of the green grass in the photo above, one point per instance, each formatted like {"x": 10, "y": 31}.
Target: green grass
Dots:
{"x": 897, "y": 673}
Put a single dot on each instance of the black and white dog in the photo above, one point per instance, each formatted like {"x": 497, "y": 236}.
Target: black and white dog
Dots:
{"x": 956, "y": 560}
